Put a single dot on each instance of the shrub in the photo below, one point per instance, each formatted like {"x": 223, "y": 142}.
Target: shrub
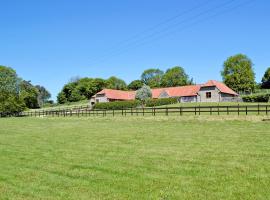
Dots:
{"x": 117, "y": 105}
{"x": 144, "y": 94}
{"x": 256, "y": 98}
{"x": 160, "y": 102}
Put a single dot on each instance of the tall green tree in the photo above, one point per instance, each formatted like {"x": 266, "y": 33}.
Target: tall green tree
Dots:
{"x": 10, "y": 100}
{"x": 80, "y": 89}
{"x": 29, "y": 94}
{"x": 152, "y": 77}
{"x": 43, "y": 95}
{"x": 135, "y": 85}
{"x": 90, "y": 86}
{"x": 175, "y": 76}
{"x": 238, "y": 73}
{"x": 9, "y": 80}
{"x": 266, "y": 79}
{"x": 61, "y": 97}
{"x": 116, "y": 83}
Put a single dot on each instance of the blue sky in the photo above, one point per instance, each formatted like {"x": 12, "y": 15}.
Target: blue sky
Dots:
{"x": 48, "y": 42}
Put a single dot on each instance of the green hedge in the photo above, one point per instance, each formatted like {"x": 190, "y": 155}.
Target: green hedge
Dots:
{"x": 256, "y": 98}
{"x": 160, "y": 102}
{"x": 134, "y": 103}
{"x": 117, "y": 105}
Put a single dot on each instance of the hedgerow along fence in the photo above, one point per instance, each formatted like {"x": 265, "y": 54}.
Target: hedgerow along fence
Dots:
{"x": 154, "y": 111}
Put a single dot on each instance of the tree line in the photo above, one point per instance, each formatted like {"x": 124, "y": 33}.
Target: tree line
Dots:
{"x": 237, "y": 73}
{"x": 84, "y": 88}
{"x": 17, "y": 94}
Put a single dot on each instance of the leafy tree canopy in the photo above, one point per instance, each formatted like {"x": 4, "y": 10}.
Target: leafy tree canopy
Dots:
{"x": 10, "y": 100}
{"x": 175, "y": 76}
{"x": 43, "y": 95}
{"x": 135, "y": 85}
{"x": 238, "y": 73}
{"x": 80, "y": 89}
{"x": 116, "y": 83}
{"x": 266, "y": 79}
{"x": 9, "y": 81}
{"x": 29, "y": 94}
{"x": 152, "y": 77}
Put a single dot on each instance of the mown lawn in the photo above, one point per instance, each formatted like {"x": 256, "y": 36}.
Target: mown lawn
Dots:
{"x": 134, "y": 158}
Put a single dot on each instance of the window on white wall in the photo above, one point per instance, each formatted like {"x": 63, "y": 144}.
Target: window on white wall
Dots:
{"x": 208, "y": 95}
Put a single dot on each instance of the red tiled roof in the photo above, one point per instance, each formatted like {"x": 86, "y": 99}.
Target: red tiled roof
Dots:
{"x": 118, "y": 94}
{"x": 190, "y": 90}
{"x": 156, "y": 92}
{"x": 221, "y": 86}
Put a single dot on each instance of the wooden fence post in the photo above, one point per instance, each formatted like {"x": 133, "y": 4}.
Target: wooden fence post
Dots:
{"x": 238, "y": 110}
{"x": 246, "y": 110}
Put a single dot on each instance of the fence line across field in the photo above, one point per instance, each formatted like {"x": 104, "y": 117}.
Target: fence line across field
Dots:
{"x": 182, "y": 110}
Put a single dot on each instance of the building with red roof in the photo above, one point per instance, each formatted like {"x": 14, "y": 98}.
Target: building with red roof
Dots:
{"x": 211, "y": 91}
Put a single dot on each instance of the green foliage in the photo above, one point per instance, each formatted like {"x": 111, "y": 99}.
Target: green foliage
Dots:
{"x": 9, "y": 81}
{"x": 238, "y": 73}
{"x": 61, "y": 98}
{"x": 10, "y": 100}
{"x": 117, "y": 105}
{"x": 11, "y": 104}
{"x": 49, "y": 103}
{"x": 266, "y": 79}
{"x": 143, "y": 94}
{"x": 29, "y": 94}
{"x": 80, "y": 89}
{"x": 175, "y": 76}
{"x": 116, "y": 83}
{"x": 160, "y": 102}
{"x": 43, "y": 95}
{"x": 134, "y": 103}
{"x": 257, "y": 98}
{"x": 76, "y": 96}
{"x": 152, "y": 77}
{"x": 89, "y": 86}
{"x": 135, "y": 85}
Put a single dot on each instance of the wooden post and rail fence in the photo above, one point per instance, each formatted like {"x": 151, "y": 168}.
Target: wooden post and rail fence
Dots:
{"x": 260, "y": 109}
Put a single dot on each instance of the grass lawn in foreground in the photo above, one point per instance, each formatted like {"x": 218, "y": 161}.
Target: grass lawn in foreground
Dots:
{"x": 135, "y": 158}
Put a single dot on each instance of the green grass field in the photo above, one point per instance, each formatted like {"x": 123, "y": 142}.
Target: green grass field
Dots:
{"x": 68, "y": 105}
{"x": 190, "y": 157}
